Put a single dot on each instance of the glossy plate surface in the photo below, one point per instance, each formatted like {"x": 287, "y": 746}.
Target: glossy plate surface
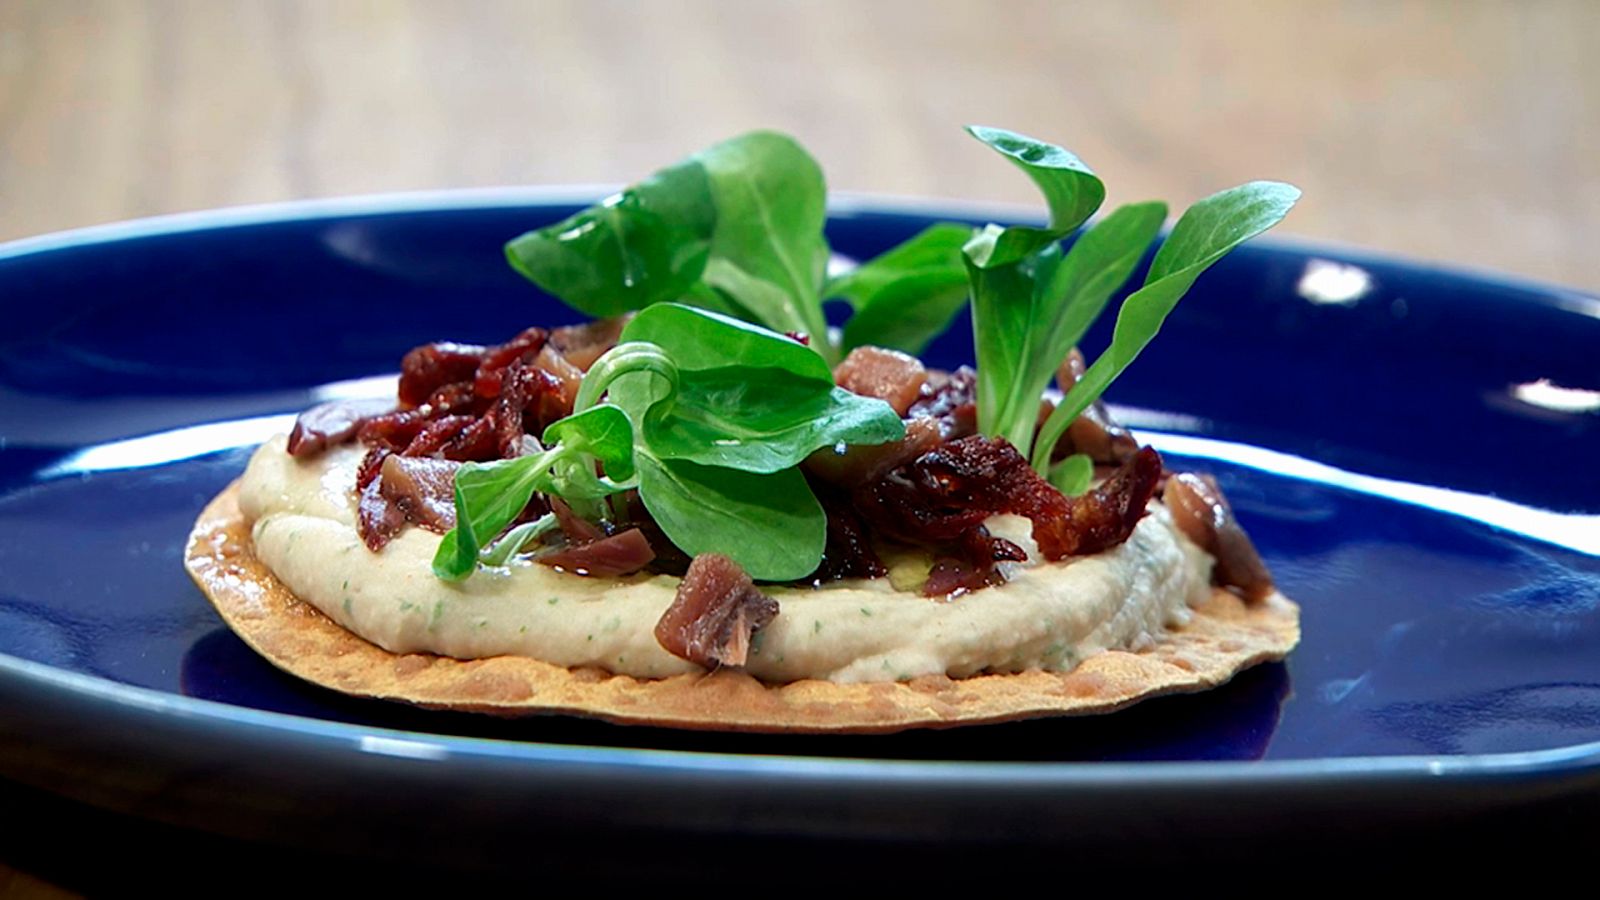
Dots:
{"x": 1412, "y": 449}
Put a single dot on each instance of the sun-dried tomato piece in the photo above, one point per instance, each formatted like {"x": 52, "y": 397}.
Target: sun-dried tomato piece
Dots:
{"x": 488, "y": 383}
{"x": 456, "y": 399}
{"x": 521, "y": 347}
{"x": 378, "y": 519}
{"x": 430, "y": 367}
{"x": 530, "y": 399}
{"x": 848, "y": 552}
{"x": 1103, "y": 517}
{"x": 936, "y": 498}
{"x": 715, "y": 613}
{"x": 973, "y": 565}
{"x": 505, "y": 417}
{"x": 393, "y": 430}
{"x": 436, "y": 434}
{"x": 370, "y": 466}
{"x": 330, "y": 424}
{"x": 477, "y": 442}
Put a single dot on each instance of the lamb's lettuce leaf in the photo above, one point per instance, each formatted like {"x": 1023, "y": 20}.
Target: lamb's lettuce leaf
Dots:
{"x": 770, "y": 524}
{"x": 1073, "y": 475}
{"x": 648, "y": 243}
{"x": 768, "y": 254}
{"x": 1071, "y": 190}
{"x": 1205, "y": 234}
{"x": 908, "y": 295}
{"x": 737, "y": 229}
{"x": 1031, "y": 303}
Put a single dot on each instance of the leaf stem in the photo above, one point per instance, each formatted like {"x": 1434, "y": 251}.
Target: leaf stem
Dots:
{"x": 1079, "y": 398}
{"x": 624, "y": 359}
{"x": 500, "y": 552}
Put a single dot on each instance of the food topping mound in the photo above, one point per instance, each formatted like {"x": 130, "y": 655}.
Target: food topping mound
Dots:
{"x": 932, "y": 489}
{"x": 457, "y": 403}
{"x": 940, "y": 497}
{"x": 747, "y": 407}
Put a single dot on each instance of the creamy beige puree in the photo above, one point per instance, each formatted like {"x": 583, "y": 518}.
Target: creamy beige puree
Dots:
{"x": 1049, "y": 615}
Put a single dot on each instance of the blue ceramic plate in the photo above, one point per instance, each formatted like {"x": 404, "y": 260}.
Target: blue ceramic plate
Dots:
{"x": 1413, "y": 450}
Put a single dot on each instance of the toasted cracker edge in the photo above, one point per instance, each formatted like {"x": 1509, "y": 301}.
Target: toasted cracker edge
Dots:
{"x": 1225, "y": 636}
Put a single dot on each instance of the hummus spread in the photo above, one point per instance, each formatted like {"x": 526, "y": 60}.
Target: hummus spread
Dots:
{"x": 1047, "y": 616}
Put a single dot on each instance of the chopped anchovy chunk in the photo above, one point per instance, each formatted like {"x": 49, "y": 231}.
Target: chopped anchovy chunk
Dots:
{"x": 1202, "y": 513}
{"x": 716, "y": 611}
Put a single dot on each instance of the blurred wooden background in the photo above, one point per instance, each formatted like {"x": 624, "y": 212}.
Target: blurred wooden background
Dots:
{"x": 1456, "y": 131}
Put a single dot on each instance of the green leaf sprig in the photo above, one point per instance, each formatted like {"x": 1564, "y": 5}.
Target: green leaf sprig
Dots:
{"x": 709, "y": 418}
{"x": 738, "y": 229}
{"x": 1032, "y": 302}
{"x": 1204, "y": 234}
{"x": 707, "y": 409}
{"x": 490, "y": 496}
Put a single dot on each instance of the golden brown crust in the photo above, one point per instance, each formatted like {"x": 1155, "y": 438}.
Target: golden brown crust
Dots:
{"x": 1225, "y": 636}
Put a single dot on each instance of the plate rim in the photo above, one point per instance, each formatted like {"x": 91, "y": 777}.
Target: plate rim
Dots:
{"x": 840, "y": 203}
{"x": 341, "y": 737}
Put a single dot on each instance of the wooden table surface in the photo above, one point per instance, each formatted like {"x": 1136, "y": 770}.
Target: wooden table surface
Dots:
{"x": 1454, "y": 131}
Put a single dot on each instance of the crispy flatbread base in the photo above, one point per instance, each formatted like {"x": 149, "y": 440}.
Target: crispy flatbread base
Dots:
{"x": 1225, "y": 636}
